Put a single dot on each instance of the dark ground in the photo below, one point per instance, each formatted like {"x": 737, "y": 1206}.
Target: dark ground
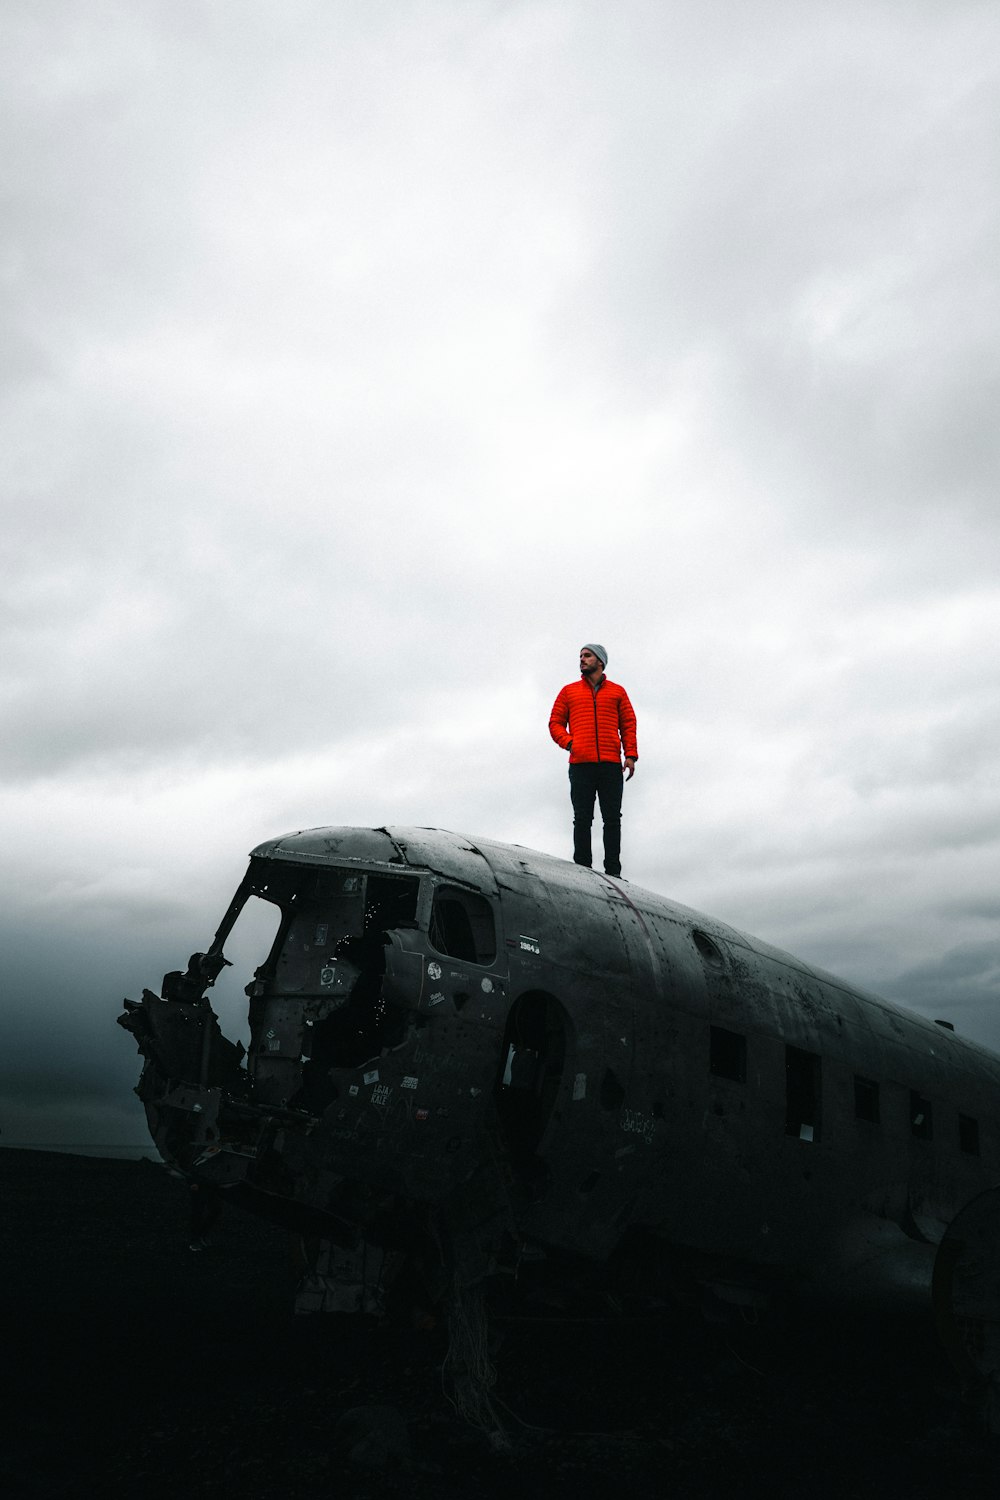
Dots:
{"x": 133, "y": 1367}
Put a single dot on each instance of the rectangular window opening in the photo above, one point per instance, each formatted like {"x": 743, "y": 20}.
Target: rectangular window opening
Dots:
{"x": 921, "y": 1117}
{"x": 968, "y": 1135}
{"x": 866, "y": 1105}
{"x": 727, "y": 1056}
{"x": 802, "y": 1094}
{"x": 461, "y": 925}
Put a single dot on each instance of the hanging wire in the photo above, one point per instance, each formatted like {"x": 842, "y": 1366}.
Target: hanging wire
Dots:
{"x": 468, "y": 1374}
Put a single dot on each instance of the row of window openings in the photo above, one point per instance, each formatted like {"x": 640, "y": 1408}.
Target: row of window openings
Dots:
{"x": 728, "y": 1059}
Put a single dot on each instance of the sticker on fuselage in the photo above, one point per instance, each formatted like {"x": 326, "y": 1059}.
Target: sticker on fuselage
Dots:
{"x": 636, "y": 1123}
{"x": 530, "y": 945}
{"x": 371, "y": 1077}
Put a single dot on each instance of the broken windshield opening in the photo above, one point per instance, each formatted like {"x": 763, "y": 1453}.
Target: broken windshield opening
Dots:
{"x": 329, "y": 953}
{"x": 251, "y": 936}
{"x": 365, "y": 1022}
{"x": 329, "y": 918}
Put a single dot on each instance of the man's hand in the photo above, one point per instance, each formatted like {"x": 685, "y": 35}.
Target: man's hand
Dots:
{"x": 629, "y": 767}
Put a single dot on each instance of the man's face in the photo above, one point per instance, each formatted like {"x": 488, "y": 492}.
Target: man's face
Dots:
{"x": 590, "y": 665}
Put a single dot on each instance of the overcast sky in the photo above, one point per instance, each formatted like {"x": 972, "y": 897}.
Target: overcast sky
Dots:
{"x": 361, "y": 360}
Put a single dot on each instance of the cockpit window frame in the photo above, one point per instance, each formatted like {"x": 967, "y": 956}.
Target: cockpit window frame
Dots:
{"x": 466, "y": 946}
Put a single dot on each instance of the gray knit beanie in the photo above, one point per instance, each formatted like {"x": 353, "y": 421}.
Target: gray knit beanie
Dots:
{"x": 598, "y": 651}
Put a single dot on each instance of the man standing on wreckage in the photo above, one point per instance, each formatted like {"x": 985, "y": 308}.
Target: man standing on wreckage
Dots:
{"x": 594, "y": 720}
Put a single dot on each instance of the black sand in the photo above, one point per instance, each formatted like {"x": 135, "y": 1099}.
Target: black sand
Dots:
{"x": 133, "y": 1367}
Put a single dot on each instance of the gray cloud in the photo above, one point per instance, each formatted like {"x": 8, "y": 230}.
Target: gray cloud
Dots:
{"x": 961, "y": 986}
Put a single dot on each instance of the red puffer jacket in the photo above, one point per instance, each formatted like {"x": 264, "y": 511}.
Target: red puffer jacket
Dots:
{"x": 598, "y": 725}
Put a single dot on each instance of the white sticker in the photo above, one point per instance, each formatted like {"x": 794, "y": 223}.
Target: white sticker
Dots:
{"x": 380, "y": 1094}
{"x": 327, "y": 975}
{"x": 487, "y": 986}
{"x": 436, "y": 998}
{"x": 580, "y": 1086}
{"x": 529, "y": 944}
{"x": 371, "y": 1077}
{"x": 409, "y": 1082}
{"x": 433, "y": 970}
{"x": 353, "y": 1090}
{"x": 636, "y": 1123}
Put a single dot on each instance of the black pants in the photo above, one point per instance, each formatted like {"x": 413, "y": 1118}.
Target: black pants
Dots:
{"x": 603, "y": 780}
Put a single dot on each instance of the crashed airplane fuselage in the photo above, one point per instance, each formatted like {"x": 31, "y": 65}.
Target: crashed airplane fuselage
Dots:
{"x": 481, "y": 1041}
